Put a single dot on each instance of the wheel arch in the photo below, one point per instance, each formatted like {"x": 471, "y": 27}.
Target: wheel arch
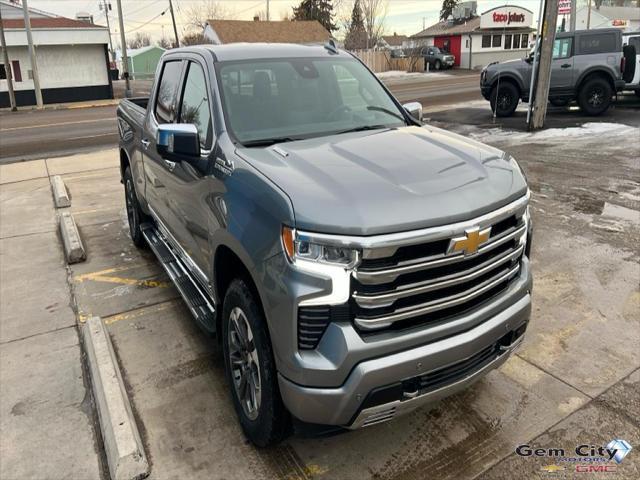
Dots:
{"x": 508, "y": 78}
{"x": 593, "y": 73}
{"x": 124, "y": 162}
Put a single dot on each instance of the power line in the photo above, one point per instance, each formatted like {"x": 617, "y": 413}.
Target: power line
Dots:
{"x": 147, "y": 23}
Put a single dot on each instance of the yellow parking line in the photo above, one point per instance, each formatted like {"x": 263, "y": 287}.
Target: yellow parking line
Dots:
{"x": 130, "y": 281}
{"x": 91, "y": 275}
{"x": 138, "y": 313}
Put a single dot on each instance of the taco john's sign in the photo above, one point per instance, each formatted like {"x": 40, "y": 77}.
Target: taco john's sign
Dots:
{"x": 506, "y": 16}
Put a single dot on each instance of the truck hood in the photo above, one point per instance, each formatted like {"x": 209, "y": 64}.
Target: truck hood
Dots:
{"x": 389, "y": 180}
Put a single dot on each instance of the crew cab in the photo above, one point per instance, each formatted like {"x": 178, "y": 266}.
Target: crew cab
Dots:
{"x": 587, "y": 66}
{"x": 353, "y": 263}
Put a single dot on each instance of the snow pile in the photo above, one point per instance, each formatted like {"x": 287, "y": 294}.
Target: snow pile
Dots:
{"x": 590, "y": 129}
{"x": 401, "y": 74}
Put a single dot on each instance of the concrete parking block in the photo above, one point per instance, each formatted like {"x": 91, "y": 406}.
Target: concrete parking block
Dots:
{"x": 60, "y": 194}
{"x": 122, "y": 443}
{"x": 174, "y": 374}
{"x": 73, "y": 247}
{"x": 83, "y": 162}
{"x": 19, "y": 171}
{"x": 45, "y": 412}
{"x": 26, "y": 208}
{"x": 117, "y": 277}
{"x": 33, "y": 286}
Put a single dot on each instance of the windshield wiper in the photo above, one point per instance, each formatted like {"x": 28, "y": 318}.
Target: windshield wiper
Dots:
{"x": 265, "y": 142}
{"x": 387, "y": 111}
{"x": 362, "y": 128}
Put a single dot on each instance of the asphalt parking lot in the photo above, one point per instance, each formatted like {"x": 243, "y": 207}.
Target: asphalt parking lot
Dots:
{"x": 576, "y": 379}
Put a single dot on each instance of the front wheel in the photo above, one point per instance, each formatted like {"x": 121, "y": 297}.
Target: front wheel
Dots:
{"x": 504, "y": 99}
{"x": 437, "y": 65}
{"x": 595, "y": 96}
{"x": 250, "y": 368}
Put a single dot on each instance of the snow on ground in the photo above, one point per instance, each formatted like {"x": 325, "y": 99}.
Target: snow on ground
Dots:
{"x": 397, "y": 74}
{"x": 590, "y": 129}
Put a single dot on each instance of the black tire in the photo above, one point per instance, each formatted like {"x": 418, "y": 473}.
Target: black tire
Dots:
{"x": 268, "y": 422}
{"x": 637, "y": 92}
{"x": 559, "y": 102}
{"x": 505, "y": 101}
{"x": 437, "y": 65}
{"x": 135, "y": 215}
{"x": 595, "y": 96}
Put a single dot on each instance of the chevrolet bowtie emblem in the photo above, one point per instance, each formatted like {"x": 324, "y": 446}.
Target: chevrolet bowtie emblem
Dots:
{"x": 474, "y": 237}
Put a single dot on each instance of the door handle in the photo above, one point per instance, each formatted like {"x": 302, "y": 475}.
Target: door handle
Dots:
{"x": 145, "y": 143}
{"x": 169, "y": 164}
{"x": 565, "y": 65}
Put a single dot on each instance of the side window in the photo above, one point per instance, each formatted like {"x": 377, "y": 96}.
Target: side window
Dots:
{"x": 562, "y": 48}
{"x": 525, "y": 41}
{"x": 597, "y": 43}
{"x": 486, "y": 41}
{"x": 516, "y": 40}
{"x": 3, "y": 72}
{"x": 165, "y": 108}
{"x": 507, "y": 42}
{"x": 497, "y": 41}
{"x": 195, "y": 104}
{"x": 635, "y": 41}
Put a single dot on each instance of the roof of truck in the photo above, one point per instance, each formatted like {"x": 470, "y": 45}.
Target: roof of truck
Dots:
{"x": 257, "y": 51}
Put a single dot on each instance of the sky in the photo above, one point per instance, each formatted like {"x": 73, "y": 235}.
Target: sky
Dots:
{"x": 403, "y": 16}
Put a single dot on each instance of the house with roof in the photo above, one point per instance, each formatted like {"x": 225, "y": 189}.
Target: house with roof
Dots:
{"x": 393, "y": 42}
{"x": 71, "y": 55}
{"x": 626, "y": 18}
{"x": 142, "y": 61}
{"x": 501, "y": 33}
{"x": 308, "y": 32}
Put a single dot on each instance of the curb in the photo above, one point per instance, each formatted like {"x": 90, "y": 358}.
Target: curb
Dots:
{"x": 63, "y": 106}
{"x": 123, "y": 446}
{"x": 73, "y": 247}
{"x": 60, "y": 194}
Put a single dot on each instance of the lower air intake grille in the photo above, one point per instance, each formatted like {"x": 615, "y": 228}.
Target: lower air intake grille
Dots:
{"x": 313, "y": 321}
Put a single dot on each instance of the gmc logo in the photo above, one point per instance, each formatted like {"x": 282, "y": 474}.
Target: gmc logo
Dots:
{"x": 595, "y": 468}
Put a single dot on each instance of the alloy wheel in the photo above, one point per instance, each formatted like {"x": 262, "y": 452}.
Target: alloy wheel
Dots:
{"x": 596, "y": 97}
{"x": 245, "y": 364}
{"x": 132, "y": 214}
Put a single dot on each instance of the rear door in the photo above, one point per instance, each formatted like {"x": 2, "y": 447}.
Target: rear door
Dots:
{"x": 562, "y": 66}
{"x": 162, "y": 109}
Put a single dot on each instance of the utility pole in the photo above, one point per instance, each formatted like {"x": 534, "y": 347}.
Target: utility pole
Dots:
{"x": 267, "y": 10}
{"x": 589, "y": 15}
{"x": 548, "y": 36}
{"x": 175, "y": 29}
{"x": 574, "y": 11}
{"x": 125, "y": 60}
{"x": 107, "y": 6}
{"x": 7, "y": 67}
{"x": 32, "y": 54}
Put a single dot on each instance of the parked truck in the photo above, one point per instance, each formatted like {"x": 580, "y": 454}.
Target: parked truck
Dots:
{"x": 353, "y": 263}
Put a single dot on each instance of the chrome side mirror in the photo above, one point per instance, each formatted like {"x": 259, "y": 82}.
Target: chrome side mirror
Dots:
{"x": 178, "y": 140}
{"x": 414, "y": 109}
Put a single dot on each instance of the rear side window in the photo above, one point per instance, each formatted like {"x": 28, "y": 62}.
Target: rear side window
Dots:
{"x": 165, "y": 108}
{"x": 597, "y": 43}
{"x": 195, "y": 104}
{"x": 635, "y": 41}
{"x": 562, "y": 48}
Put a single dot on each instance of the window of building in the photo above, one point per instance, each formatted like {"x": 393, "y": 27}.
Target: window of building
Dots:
{"x": 525, "y": 41}
{"x": 497, "y": 41}
{"x": 17, "y": 74}
{"x": 597, "y": 43}
{"x": 165, "y": 109}
{"x": 195, "y": 104}
{"x": 466, "y": 43}
{"x": 516, "y": 41}
{"x": 507, "y": 42}
{"x": 486, "y": 41}
{"x": 3, "y": 72}
{"x": 562, "y": 48}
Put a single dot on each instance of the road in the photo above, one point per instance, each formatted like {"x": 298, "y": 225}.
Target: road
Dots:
{"x": 28, "y": 135}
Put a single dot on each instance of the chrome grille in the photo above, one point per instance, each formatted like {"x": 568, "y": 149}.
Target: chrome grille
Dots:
{"x": 422, "y": 282}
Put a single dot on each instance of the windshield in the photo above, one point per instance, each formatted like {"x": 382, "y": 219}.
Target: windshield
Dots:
{"x": 294, "y": 98}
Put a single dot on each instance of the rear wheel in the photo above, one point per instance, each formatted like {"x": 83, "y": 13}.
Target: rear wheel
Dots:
{"x": 251, "y": 369}
{"x": 504, "y": 99}
{"x": 595, "y": 96}
{"x": 135, "y": 215}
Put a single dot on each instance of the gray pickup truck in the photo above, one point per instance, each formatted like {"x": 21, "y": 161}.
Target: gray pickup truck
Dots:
{"x": 587, "y": 66}
{"x": 352, "y": 263}
{"x": 437, "y": 59}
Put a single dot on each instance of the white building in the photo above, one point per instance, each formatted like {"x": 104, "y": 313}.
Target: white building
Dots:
{"x": 499, "y": 34}
{"x": 626, "y": 19}
{"x": 72, "y": 58}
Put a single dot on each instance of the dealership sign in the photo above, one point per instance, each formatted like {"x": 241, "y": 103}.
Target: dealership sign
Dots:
{"x": 506, "y": 16}
{"x": 564, "y": 7}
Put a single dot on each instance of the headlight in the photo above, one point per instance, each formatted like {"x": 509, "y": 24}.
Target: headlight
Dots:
{"x": 516, "y": 166}
{"x": 297, "y": 249}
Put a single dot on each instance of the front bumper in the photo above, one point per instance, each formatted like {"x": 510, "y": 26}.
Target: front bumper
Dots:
{"x": 343, "y": 405}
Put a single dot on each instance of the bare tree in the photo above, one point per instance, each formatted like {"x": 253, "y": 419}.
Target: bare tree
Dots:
{"x": 196, "y": 38}
{"x": 197, "y": 13}
{"x": 164, "y": 42}
{"x": 140, "y": 39}
{"x": 375, "y": 16}
{"x": 415, "y": 56}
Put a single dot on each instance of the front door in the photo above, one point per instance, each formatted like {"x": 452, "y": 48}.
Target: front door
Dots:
{"x": 562, "y": 66}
